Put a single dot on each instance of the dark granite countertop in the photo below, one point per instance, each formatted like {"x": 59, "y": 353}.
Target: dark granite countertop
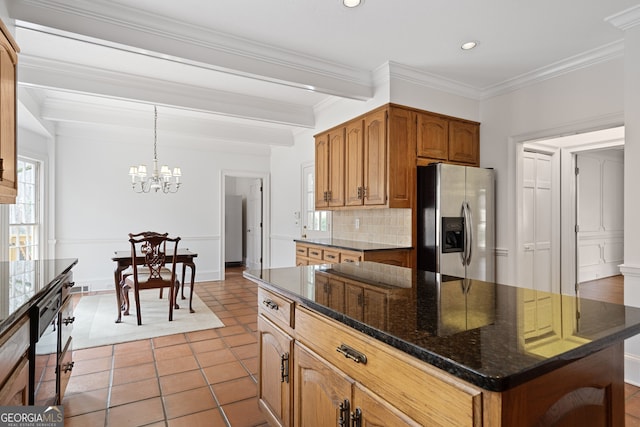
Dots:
{"x": 352, "y": 245}
{"x": 491, "y": 335}
{"x": 23, "y": 283}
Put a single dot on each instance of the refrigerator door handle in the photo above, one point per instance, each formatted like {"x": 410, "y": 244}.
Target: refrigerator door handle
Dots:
{"x": 463, "y": 254}
{"x": 469, "y": 231}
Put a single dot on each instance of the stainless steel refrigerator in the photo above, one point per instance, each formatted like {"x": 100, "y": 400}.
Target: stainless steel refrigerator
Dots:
{"x": 456, "y": 221}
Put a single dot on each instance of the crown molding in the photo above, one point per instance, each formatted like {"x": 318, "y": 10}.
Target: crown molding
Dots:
{"x": 418, "y": 77}
{"x": 584, "y": 60}
{"x": 110, "y": 23}
{"x": 626, "y": 19}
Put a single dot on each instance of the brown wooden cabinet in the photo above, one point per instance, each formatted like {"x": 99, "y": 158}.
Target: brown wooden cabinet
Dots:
{"x": 330, "y": 159}
{"x": 313, "y": 254}
{"x": 275, "y": 354}
{"x": 445, "y": 139}
{"x": 326, "y": 397}
{"x": 14, "y": 364}
{"x": 338, "y": 372}
{"x": 8, "y": 152}
{"x": 379, "y": 161}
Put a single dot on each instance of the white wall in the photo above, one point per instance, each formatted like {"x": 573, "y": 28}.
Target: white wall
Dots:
{"x": 96, "y": 208}
{"x": 583, "y": 100}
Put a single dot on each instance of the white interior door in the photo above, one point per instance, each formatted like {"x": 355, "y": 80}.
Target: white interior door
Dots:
{"x": 536, "y": 270}
{"x": 254, "y": 225}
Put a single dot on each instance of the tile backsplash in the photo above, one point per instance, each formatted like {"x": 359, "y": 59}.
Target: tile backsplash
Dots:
{"x": 388, "y": 226}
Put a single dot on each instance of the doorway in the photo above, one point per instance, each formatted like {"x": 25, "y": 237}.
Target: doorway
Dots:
{"x": 244, "y": 220}
{"x": 584, "y": 218}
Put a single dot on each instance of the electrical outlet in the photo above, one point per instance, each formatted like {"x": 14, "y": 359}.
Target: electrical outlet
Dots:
{"x": 357, "y": 223}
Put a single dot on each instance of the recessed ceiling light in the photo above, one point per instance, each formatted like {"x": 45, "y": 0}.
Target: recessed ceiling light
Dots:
{"x": 468, "y": 45}
{"x": 351, "y": 3}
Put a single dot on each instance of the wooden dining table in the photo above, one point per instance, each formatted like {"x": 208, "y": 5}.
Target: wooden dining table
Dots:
{"x": 123, "y": 261}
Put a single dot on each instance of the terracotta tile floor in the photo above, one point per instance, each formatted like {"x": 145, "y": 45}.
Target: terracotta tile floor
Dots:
{"x": 206, "y": 378}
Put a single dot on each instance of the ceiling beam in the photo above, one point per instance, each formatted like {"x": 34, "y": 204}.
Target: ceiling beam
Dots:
{"x": 115, "y": 23}
{"x": 54, "y": 74}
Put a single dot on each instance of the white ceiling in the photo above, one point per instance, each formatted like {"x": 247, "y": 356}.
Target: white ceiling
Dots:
{"x": 255, "y": 70}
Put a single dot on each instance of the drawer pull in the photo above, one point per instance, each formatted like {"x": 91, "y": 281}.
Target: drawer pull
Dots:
{"x": 331, "y": 256}
{"x": 270, "y": 304}
{"x": 315, "y": 253}
{"x": 67, "y": 367}
{"x": 68, "y": 320}
{"x": 352, "y": 354}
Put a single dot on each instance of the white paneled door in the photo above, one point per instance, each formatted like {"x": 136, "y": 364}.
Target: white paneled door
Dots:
{"x": 254, "y": 225}
{"x": 536, "y": 270}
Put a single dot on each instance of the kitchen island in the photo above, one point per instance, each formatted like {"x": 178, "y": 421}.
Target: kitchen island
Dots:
{"x": 374, "y": 343}
{"x": 36, "y": 317}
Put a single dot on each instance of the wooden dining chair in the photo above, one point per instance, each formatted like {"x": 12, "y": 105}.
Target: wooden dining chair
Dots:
{"x": 155, "y": 270}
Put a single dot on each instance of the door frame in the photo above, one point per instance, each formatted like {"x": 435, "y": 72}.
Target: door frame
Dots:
{"x": 266, "y": 209}
{"x": 606, "y": 136}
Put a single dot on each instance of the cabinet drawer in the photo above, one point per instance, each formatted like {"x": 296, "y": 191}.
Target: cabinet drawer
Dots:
{"x": 302, "y": 251}
{"x": 316, "y": 253}
{"x": 401, "y": 380}
{"x": 276, "y": 308}
{"x": 350, "y": 257}
{"x": 331, "y": 256}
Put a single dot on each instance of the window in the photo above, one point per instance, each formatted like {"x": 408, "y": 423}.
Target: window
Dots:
{"x": 315, "y": 223}
{"x": 24, "y": 216}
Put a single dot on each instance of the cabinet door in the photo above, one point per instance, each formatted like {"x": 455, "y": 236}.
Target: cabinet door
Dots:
{"x": 375, "y": 411}
{"x": 375, "y": 158}
{"x": 15, "y": 391}
{"x": 322, "y": 170}
{"x": 335, "y": 298}
{"x": 354, "y": 152}
{"x": 375, "y": 308}
{"x": 274, "y": 386}
{"x": 432, "y": 137}
{"x": 464, "y": 139}
{"x": 354, "y": 301}
{"x": 336, "y": 168}
{"x": 401, "y": 158}
{"x": 319, "y": 389}
{"x": 8, "y": 184}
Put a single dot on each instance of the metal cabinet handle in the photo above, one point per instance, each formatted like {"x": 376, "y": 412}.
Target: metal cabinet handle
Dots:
{"x": 270, "y": 304}
{"x": 284, "y": 368}
{"x": 352, "y": 354}
{"x": 69, "y": 284}
{"x": 331, "y": 256}
{"x": 343, "y": 420}
{"x": 68, "y": 320}
{"x": 67, "y": 367}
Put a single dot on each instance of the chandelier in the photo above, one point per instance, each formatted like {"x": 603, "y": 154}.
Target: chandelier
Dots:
{"x": 164, "y": 179}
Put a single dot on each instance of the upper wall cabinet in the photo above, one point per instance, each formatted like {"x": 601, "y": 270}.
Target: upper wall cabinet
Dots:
{"x": 330, "y": 169}
{"x": 378, "y": 164}
{"x": 444, "y": 139}
{"x": 8, "y": 63}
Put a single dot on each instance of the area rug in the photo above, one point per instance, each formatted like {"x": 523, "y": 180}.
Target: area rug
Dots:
{"x": 96, "y": 314}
